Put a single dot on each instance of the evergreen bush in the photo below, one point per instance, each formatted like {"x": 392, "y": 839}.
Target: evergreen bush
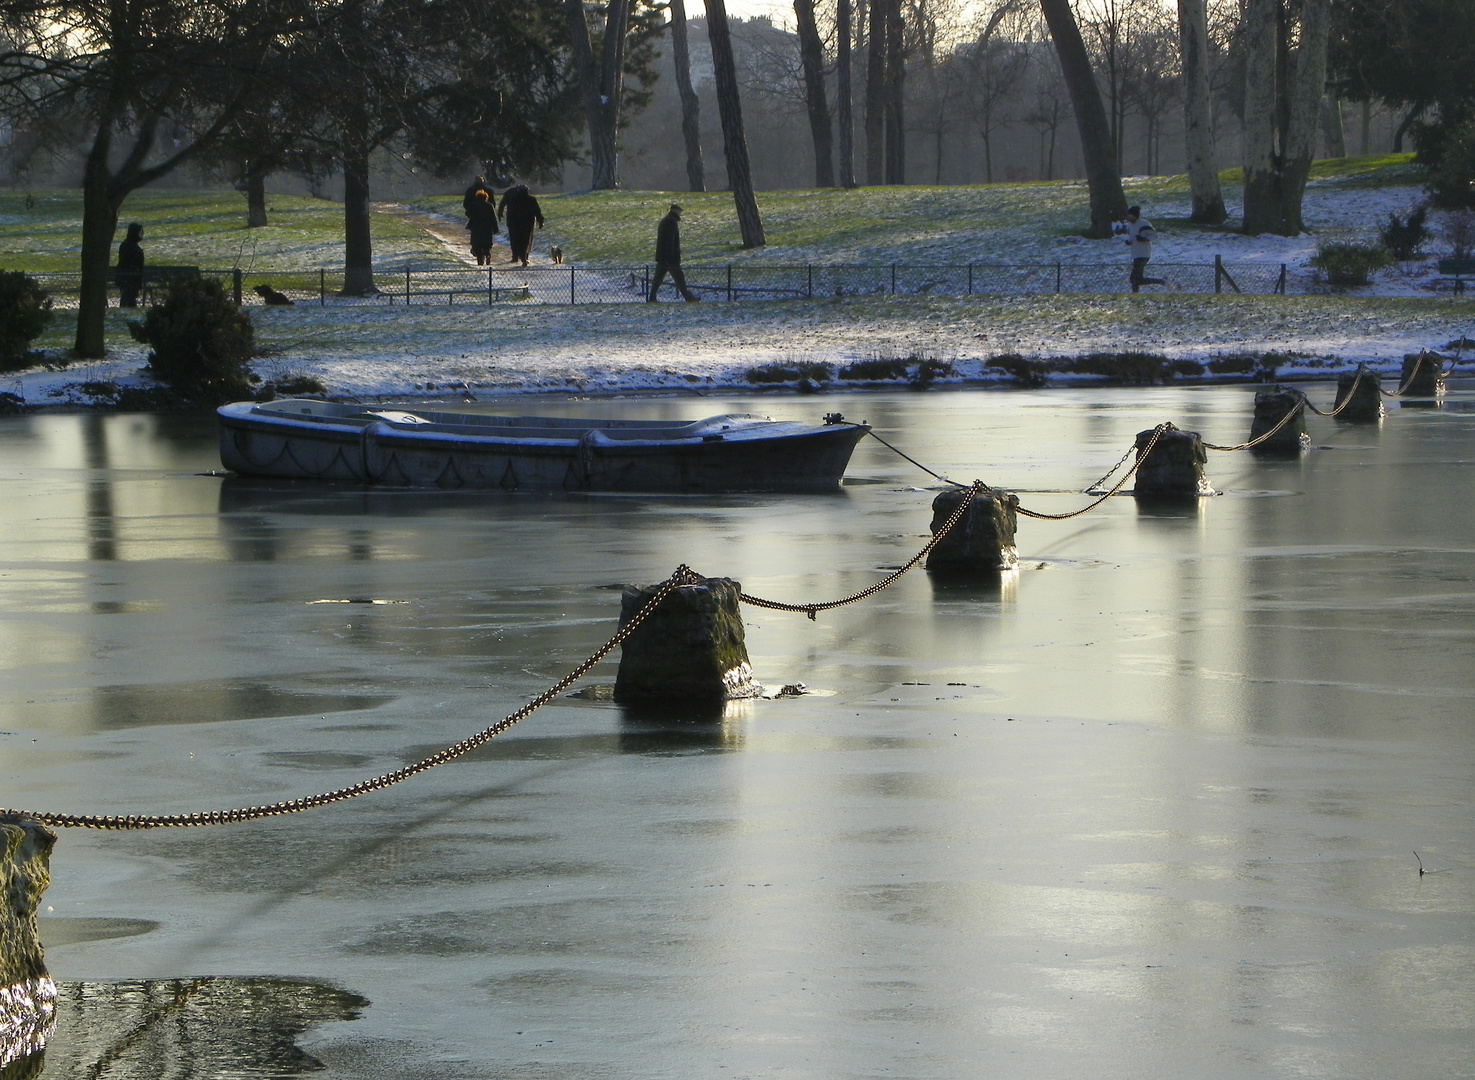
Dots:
{"x": 1403, "y": 237}
{"x": 201, "y": 341}
{"x": 1350, "y": 264}
{"x": 25, "y": 312}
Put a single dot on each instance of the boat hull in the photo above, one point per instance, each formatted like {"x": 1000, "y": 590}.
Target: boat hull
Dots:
{"x": 456, "y": 451}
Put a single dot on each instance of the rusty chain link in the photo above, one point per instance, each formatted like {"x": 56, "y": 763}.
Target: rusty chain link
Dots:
{"x": 826, "y": 605}
{"x": 683, "y": 575}
{"x": 1157, "y": 433}
{"x": 1284, "y": 420}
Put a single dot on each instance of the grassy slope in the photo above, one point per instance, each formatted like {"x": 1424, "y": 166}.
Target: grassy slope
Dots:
{"x": 873, "y": 225}
{"x": 879, "y": 225}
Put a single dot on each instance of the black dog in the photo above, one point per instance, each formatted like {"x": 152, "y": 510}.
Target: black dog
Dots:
{"x": 556, "y": 254}
{"x": 272, "y": 297}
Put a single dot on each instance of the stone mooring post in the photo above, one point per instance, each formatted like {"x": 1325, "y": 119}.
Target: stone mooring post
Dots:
{"x": 982, "y": 541}
{"x": 1175, "y": 467}
{"x": 27, "y": 994}
{"x": 1367, "y": 398}
{"x": 1273, "y": 406}
{"x": 690, "y": 649}
{"x": 1422, "y": 374}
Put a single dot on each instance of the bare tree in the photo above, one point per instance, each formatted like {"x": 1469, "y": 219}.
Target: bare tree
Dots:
{"x": 1049, "y": 109}
{"x": 730, "y": 109}
{"x": 1103, "y": 179}
{"x": 1198, "y": 113}
{"x": 843, "y": 32}
{"x": 602, "y": 83}
{"x": 812, "y": 56}
{"x": 996, "y": 71}
{"x": 878, "y": 29}
{"x": 691, "y": 128}
{"x": 1283, "y": 91}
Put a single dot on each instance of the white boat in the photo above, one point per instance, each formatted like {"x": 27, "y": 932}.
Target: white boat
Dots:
{"x": 408, "y": 446}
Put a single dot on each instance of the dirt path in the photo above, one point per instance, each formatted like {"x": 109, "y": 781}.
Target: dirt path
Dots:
{"x": 451, "y": 232}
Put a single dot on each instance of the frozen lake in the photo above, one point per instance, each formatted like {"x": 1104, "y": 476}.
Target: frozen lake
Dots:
{"x": 1145, "y": 807}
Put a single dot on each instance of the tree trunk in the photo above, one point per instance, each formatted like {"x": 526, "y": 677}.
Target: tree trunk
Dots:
{"x": 730, "y": 109}
{"x": 255, "y": 197}
{"x": 690, "y": 107}
{"x": 1307, "y": 87}
{"x": 812, "y": 56}
{"x": 1332, "y": 129}
{"x": 896, "y": 146}
{"x": 601, "y": 86}
{"x": 1198, "y": 114}
{"x": 1403, "y": 126}
{"x": 1262, "y": 165}
{"x": 99, "y": 225}
{"x": 1104, "y": 182}
{"x": 843, "y": 30}
{"x": 876, "y": 94}
{"x": 358, "y": 244}
{"x": 1367, "y": 127}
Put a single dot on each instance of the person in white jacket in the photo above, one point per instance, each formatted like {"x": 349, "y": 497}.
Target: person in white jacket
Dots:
{"x": 1139, "y": 233}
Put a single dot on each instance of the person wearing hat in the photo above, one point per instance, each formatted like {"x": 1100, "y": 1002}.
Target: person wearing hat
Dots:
{"x": 668, "y": 256}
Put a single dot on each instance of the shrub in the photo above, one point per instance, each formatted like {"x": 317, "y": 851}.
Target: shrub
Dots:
{"x": 201, "y": 341}
{"x": 1458, "y": 231}
{"x": 1350, "y": 264}
{"x": 1233, "y": 365}
{"x": 928, "y": 370}
{"x": 1134, "y": 368}
{"x": 1031, "y": 373}
{"x": 1404, "y": 237}
{"x": 816, "y": 371}
{"x": 875, "y": 370}
{"x": 25, "y": 311}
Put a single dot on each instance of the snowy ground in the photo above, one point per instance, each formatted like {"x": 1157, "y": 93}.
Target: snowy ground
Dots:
{"x": 382, "y": 351}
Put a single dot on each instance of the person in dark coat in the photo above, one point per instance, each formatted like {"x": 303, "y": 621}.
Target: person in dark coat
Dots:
{"x": 481, "y": 219}
{"x": 129, "y": 274}
{"x": 479, "y": 184}
{"x": 668, "y": 256}
{"x": 520, "y": 210}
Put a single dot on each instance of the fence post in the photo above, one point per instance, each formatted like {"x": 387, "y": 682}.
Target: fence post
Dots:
{"x": 490, "y": 293}
{"x": 1218, "y": 270}
{"x": 1057, "y": 276}
{"x": 235, "y": 279}
{"x": 322, "y": 288}
{"x": 407, "y": 284}
{"x": 810, "y": 268}
{"x": 893, "y": 279}
{"x": 970, "y": 279}
{"x": 573, "y": 297}
{"x": 729, "y": 283}
{"x": 1280, "y": 286}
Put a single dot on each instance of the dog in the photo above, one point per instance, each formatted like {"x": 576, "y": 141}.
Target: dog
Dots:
{"x": 556, "y": 254}
{"x": 272, "y": 297}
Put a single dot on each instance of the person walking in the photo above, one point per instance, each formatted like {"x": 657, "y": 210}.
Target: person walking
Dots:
{"x": 668, "y": 257}
{"x": 521, "y": 212}
{"x": 1139, "y": 233}
{"x": 479, "y": 184}
{"x": 129, "y": 274}
{"x": 481, "y": 219}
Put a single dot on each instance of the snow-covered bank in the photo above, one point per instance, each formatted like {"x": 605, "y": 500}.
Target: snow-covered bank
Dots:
{"x": 394, "y": 352}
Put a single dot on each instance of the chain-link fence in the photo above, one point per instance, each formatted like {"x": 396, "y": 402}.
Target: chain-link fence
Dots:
{"x": 730, "y": 283}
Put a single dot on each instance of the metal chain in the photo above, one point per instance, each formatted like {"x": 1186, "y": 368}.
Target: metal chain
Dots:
{"x": 683, "y": 575}
{"x": 1346, "y": 401}
{"x": 826, "y": 605}
{"x": 1412, "y": 375}
{"x": 1157, "y": 433}
{"x": 1284, "y": 420}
